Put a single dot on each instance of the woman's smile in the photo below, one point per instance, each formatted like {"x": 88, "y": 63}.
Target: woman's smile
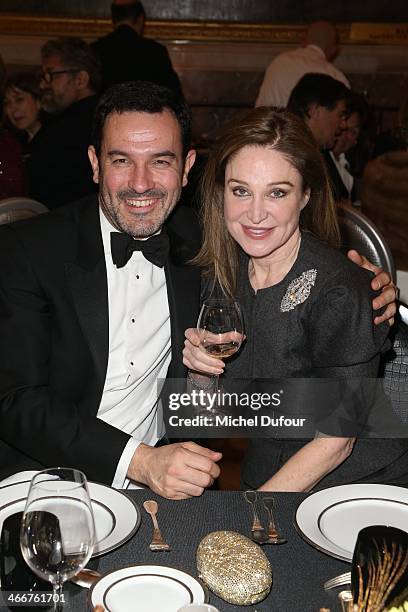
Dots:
{"x": 257, "y": 233}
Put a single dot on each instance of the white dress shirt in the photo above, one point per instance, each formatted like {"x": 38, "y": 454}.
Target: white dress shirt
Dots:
{"x": 343, "y": 166}
{"x": 139, "y": 351}
{"x": 284, "y": 72}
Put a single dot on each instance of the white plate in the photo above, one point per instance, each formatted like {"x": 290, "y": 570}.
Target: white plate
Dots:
{"x": 331, "y": 519}
{"x": 152, "y": 587}
{"x": 117, "y": 517}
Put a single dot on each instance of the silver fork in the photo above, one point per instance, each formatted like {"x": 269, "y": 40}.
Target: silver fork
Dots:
{"x": 158, "y": 542}
{"x": 273, "y": 536}
{"x": 258, "y": 533}
{"x": 339, "y": 580}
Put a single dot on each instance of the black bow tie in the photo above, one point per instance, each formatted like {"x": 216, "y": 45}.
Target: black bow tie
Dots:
{"x": 155, "y": 249}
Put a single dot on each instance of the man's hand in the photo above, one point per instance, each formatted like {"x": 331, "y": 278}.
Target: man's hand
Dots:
{"x": 175, "y": 471}
{"x": 381, "y": 281}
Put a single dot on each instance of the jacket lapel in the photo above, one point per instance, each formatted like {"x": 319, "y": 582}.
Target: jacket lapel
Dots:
{"x": 183, "y": 291}
{"x": 88, "y": 281}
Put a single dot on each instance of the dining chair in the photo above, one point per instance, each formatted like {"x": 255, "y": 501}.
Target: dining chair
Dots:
{"x": 394, "y": 366}
{"x": 359, "y": 232}
{"x": 17, "y": 208}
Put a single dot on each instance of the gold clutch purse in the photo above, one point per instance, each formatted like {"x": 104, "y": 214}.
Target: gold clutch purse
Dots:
{"x": 234, "y": 568}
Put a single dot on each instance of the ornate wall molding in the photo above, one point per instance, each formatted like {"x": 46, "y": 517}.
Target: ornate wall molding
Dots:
{"x": 289, "y": 33}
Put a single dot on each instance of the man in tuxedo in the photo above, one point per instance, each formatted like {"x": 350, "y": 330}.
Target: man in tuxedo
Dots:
{"x": 127, "y": 55}
{"x": 94, "y": 300}
{"x": 348, "y": 154}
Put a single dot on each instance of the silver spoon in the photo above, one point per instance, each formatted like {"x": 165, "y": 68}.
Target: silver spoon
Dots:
{"x": 258, "y": 533}
{"x": 273, "y": 536}
{"x": 158, "y": 542}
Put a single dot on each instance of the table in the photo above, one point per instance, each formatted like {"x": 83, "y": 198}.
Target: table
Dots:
{"x": 299, "y": 570}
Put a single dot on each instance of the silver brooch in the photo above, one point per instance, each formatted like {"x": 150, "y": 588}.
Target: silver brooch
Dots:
{"x": 298, "y": 290}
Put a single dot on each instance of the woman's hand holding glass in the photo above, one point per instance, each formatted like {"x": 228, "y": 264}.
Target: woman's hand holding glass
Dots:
{"x": 218, "y": 335}
{"x": 196, "y": 358}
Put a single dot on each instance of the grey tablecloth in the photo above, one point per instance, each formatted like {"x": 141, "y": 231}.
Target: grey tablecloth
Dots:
{"x": 299, "y": 570}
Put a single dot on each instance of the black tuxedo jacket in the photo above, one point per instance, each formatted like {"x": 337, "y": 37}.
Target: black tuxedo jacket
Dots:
{"x": 58, "y": 167}
{"x": 126, "y": 56}
{"x": 54, "y": 337}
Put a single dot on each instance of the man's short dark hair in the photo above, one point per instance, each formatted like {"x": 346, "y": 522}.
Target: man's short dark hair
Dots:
{"x": 131, "y": 11}
{"x": 316, "y": 89}
{"x": 141, "y": 97}
{"x": 75, "y": 53}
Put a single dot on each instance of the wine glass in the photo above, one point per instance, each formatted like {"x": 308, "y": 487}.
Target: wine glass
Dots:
{"x": 221, "y": 330}
{"x": 58, "y": 530}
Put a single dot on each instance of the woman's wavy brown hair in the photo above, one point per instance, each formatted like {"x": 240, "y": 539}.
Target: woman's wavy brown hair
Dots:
{"x": 287, "y": 134}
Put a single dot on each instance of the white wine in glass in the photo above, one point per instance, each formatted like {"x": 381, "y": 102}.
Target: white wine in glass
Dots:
{"x": 221, "y": 330}
{"x": 57, "y": 530}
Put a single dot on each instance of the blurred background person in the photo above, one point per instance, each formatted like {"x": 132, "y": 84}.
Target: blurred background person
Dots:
{"x": 348, "y": 141}
{"x": 12, "y": 176}
{"x": 126, "y": 55}
{"x": 316, "y": 55}
{"x": 321, "y": 102}
{"x": 22, "y": 109}
{"x": 69, "y": 82}
{"x": 22, "y": 104}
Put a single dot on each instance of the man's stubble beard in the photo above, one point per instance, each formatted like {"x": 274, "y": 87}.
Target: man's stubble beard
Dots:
{"x": 142, "y": 229}
{"x": 50, "y": 105}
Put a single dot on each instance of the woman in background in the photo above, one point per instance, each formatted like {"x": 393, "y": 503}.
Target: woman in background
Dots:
{"x": 22, "y": 108}
{"x": 22, "y": 104}
{"x": 12, "y": 175}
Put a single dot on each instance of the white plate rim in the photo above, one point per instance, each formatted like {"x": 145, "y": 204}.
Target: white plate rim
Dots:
{"x": 140, "y": 566}
{"x": 96, "y": 489}
{"x": 332, "y": 496}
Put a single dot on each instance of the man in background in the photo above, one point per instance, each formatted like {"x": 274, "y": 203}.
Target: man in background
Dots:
{"x": 346, "y": 145}
{"x": 321, "y": 102}
{"x": 126, "y": 55}
{"x": 70, "y": 80}
{"x": 316, "y": 55}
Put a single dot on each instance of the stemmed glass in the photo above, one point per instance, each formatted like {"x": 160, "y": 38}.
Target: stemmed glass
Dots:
{"x": 221, "y": 330}
{"x": 57, "y": 530}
